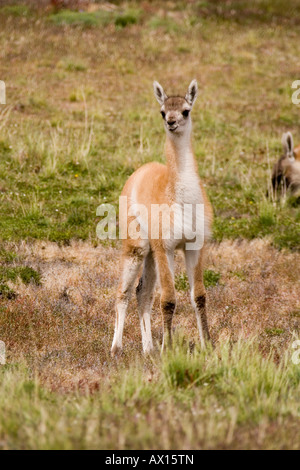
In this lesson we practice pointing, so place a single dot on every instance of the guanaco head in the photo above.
(175, 110)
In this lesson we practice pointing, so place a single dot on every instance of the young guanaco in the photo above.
(170, 187)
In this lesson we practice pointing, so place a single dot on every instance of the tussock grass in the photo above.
(211, 278)
(97, 18)
(11, 272)
(25, 273)
(15, 10)
(180, 401)
(83, 19)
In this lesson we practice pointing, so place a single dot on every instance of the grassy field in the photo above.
(80, 118)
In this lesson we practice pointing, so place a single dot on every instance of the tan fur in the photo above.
(297, 153)
(286, 171)
(155, 183)
(291, 173)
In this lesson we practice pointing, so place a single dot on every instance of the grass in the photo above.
(259, 11)
(83, 19)
(274, 331)
(182, 282)
(6, 292)
(179, 401)
(58, 333)
(80, 143)
(26, 274)
(11, 272)
(15, 10)
(97, 18)
(70, 136)
(211, 279)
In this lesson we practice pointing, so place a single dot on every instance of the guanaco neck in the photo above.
(180, 157)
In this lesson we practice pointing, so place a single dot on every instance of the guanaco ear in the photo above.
(159, 93)
(192, 92)
(288, 144)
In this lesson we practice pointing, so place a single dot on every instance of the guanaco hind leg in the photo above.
(130, 268)
(165, 262)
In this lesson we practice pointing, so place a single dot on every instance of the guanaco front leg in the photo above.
(194, 265)
(165, 262)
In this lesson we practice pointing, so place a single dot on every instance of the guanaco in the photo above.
(173, 185)
(286, 171)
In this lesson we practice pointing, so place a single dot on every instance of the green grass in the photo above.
(97, 18)
(274, 331)
(72, 65)
(67, 140)
(25, 273)
(15, 10)
(168, 25)
(6, 292)
(131, 16)
(181, 282)
(211, 278)
(82, 19)
(11, 270)
(182, 401)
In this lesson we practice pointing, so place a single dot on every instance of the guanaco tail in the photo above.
(170, 188)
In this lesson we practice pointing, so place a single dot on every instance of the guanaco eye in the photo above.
(186, 112)
(163, 114)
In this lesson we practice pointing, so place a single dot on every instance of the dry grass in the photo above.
(65, 326)
(62, 390)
